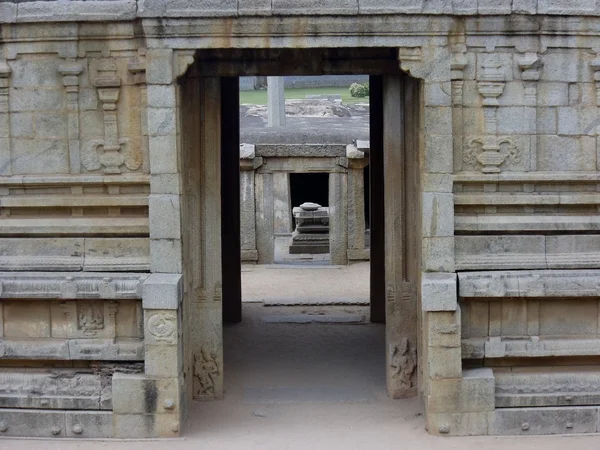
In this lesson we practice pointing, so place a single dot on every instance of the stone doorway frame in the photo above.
(208, 94)
(434, 238)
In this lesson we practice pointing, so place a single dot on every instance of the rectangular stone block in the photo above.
(135, 426)
(337, 7)
(8, 12)
(163, 154)
(36, 156)
(159, 62)
(437, 7)
(165, 219)
(390, 6)
(161, 121)
(137, 394)
(162, 291)
(437, 94)
(524, 6)
(460, 424)
(438, 120)
(474, 392)
(443, 328)
(494, 6)
(444, 362)
(33, 423)
(438, 292)
(254, 7)
(186, 8)
(44, 11)
(500, 252)
(464, 7)
(438, 254)
(163, 361)
(563, 153)
(438, 214)
(553, 94)
(165, 255)
(532, 421)
(88, 424)
(439, 157)
(165, 183)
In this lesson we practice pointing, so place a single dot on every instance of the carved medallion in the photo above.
(163, 327)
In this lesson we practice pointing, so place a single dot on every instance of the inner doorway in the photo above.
(210, 153)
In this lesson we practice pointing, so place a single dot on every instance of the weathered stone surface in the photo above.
(564, 420)
(533, 387)
(498, 173)
(438, 292)
(534, 283)
(162, 291)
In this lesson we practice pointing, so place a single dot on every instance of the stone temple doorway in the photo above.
(209, 158)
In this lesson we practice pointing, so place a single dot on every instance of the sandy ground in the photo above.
(307, 386)
(309, 283)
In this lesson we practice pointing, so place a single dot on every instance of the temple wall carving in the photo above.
(100, 194)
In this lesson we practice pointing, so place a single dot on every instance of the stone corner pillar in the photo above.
(457, 401)
(153, 404)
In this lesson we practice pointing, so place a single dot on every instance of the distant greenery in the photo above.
(359, 90)
(260, 97)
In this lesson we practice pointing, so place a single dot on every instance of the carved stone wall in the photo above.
(96, 185)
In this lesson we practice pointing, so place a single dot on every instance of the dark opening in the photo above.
(367, 197)
(309, 187)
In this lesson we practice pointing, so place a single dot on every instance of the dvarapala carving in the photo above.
(403, 362)
(206, 372)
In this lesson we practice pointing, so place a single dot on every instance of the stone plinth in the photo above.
(312, 229)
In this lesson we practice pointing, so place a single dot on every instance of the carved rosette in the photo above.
(162, 327)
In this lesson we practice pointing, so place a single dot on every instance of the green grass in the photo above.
(260, 97)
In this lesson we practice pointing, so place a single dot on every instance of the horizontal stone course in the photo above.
(118, 10)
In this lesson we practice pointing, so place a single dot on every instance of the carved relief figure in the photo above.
(403, 363)
(90, 316)
(206, 370)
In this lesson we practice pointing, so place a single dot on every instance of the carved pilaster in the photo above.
(70, 72)
(112, 152)
(530, 65)
(4, 120)
(457, 67)
(595, 64)
(490, 150)
(137, 68)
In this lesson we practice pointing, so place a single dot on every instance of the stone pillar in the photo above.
(356, 204)
(282, 220)
(401, 317)
(248, 164)
(338, 215)
(265, 240)
(276, 101)
(206, 314)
